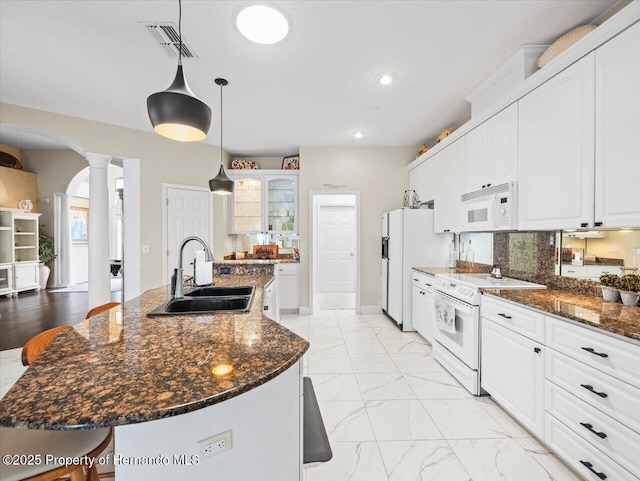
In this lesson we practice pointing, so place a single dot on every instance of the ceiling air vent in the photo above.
(166, 34)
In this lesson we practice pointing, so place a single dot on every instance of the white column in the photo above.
(99, 273)
(63, 237)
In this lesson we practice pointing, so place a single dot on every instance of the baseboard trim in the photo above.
(370, 310)
(305, 311)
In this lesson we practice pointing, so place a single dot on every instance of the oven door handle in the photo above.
(457, 305)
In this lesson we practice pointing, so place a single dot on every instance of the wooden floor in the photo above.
(32, 312)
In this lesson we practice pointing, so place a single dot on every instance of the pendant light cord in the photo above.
(221, 117)
(180, 31)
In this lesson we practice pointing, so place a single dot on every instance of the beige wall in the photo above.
(161, 160)
(379, 174)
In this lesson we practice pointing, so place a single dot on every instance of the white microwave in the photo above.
(490, 209)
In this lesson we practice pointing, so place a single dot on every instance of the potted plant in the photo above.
(45, 252)
(629, 286)
(608, 284)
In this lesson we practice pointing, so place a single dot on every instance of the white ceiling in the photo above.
(95, 60)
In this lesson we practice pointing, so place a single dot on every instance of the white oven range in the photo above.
(457, 340)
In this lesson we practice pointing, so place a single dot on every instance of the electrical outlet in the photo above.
(207, 448)
(614, 249)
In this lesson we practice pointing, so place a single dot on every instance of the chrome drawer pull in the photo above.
(590, 388)
(592, 351)
(589, 466)
(504, 315)
(589, 427)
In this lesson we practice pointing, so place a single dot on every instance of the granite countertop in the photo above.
(432, 271)
(122, 367)
(257, 261)
(592, 311)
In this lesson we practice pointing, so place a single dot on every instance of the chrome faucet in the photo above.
(208, 257)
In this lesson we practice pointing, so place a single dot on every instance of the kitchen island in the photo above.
(167, 383)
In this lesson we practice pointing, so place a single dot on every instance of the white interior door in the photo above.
(336, 248)
(188, 212)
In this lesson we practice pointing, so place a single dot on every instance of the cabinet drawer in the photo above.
(287, 268)
(580, 455)
(523, 321)
(421, 280)
(609, 436)
(610, 355)
(619, 400)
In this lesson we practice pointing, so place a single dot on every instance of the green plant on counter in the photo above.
(629, 282)
(609, 280)
(45, 246)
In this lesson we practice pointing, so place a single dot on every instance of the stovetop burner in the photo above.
(467, 286)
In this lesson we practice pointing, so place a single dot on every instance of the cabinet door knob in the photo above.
(589, 466)
(589, 388)
(592, 351)
(589, 427)
(584, 224)
(598, 224)
(537, 350)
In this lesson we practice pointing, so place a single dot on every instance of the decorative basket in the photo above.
(563, 43)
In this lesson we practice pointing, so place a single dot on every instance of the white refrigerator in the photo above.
(408, 241)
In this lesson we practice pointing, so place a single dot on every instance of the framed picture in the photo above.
(79, 224)
(291, 163)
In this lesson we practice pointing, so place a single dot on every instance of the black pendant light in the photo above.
(177, 113)
(221, 184)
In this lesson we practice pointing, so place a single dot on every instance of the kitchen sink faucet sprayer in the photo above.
(179, 280)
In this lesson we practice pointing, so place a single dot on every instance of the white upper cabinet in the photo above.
(421, 180)
(263, 202)
(449, 170)
(492, 151)
(617, 194)
(556, 151)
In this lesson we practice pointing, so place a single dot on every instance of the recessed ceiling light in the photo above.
(386, 78)
(358, 134)
(264, 24)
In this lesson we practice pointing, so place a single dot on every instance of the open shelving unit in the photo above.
(19, 256)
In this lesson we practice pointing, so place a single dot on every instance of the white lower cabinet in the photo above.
(288, 285)
(605, 433)
(26, 276)
(513, 373)
(590, 462)
(576, 388)
(423, 309)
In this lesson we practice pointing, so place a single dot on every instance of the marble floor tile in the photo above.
(407, 345)
(379, 321)
(353, 325)
(416, 362)
(329, 363)
(463, 419)
(372, 363)
(512, 427)
(346, 421)
(556, 469)
(336, 387)
(326, 346)
(323, 332)
(352, 461)
(11, 368)
(357, 333)
(497, 460)
(421, 461)
(391, 332)
(436, 385)
(364, 346)
(401, 421)
(383, 386)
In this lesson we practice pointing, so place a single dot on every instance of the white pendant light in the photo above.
(176, 113)
(221, 184)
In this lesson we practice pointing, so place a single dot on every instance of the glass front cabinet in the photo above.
(264, 202)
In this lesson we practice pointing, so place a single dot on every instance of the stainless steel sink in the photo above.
(215, 291)
(208, 300)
